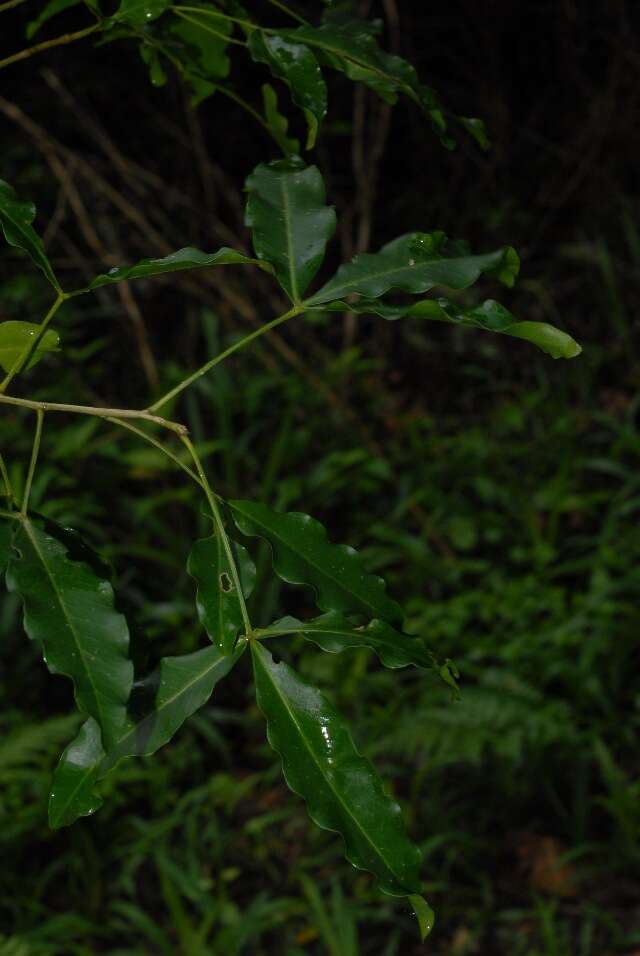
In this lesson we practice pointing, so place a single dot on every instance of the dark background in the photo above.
(496, 490)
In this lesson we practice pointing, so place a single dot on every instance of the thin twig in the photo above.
(32, 463)
(95, 411)
(49, 44)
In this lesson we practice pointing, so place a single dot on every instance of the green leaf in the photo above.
(16, 218)
(152, 58)
(277, 123)
(204, 50)
(180, 687)
(216, 599)
(139, 13)
(425, 914)
(187, 258)
(489, 316)
(72, 793)
(70, 612)
(15, 338)
(350, 45)
(417, 262)
(342, 790)
(50, 10)
(303, 555)
(6, 535)
(291, 224)
(334, 633)
(297, 66)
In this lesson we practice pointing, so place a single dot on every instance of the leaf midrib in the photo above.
(314, 565)
(337, 290)
(364, 833)
(95, 768)
(293, 278)
(29, 531)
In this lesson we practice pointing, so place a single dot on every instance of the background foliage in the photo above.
(495, 489)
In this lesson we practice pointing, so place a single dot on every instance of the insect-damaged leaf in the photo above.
(217, 599)
(69, 610)
(180, 687)
(342, 790)
(303, 555)
(290, 222)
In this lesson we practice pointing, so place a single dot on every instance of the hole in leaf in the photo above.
(226, 583)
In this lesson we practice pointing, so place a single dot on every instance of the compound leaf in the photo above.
(187, 258)
(16, 218)
(303, 555)
(15, 339)
(334, 633)
(180, 687)
(490, 316)
(69, 610)
(217, 599)
(297, 66)
(416, 262)
(289, 220)
(341, 788)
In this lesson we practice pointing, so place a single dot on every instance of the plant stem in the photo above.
(246, 106)
(215, 33)
(289, 11)
(49, 44)
(6, 480)
(219, 523)
(32, 463)
(157, 444)
(24, 358)
(218, 15)
(296, 310)
(9, 4)
(96, 411)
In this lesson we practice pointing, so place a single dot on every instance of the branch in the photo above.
(96, 412)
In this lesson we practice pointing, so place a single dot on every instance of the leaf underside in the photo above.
(187, 258)
(15, 338)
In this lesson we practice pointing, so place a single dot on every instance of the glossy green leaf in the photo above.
(334, 633)
(15, 338)
(417, 262)
(342, 790)
(350, 45)
(180, 687)
(425, 915)
(203, 55)
(217, 599)
(489, 316)
(72, 793)
(70, 612)
(138, 13)
(297, 66)
(16, 217)
(187, 258)
(50, 10)
(290, 222)
(277, 123)
(303, 555)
